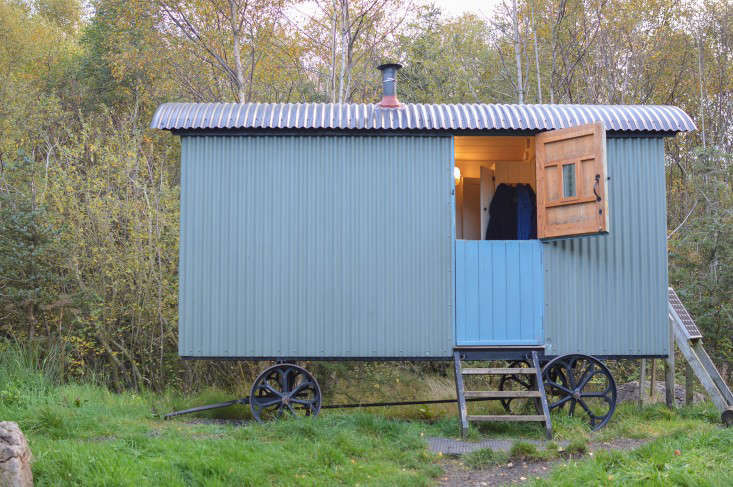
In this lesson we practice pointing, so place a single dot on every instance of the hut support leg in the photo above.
(653, 381)
(642, 381)
(543, 395)
(462, 411)
(669, 369)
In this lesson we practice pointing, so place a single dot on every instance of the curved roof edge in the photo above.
(417, 117)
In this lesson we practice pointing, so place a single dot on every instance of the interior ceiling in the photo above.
(486, 148)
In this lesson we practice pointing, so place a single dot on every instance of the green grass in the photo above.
(485, 458)
(694, 458)
(82, 434)
(85, 435)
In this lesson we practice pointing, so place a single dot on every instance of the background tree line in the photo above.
(89, 195)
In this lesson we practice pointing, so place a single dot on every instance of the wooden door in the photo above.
(571, 182)
(471, 209)
(499, 292)
(487, 193)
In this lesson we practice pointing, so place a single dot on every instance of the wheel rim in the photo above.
(284, 390)
(583, 384)
(515, 382)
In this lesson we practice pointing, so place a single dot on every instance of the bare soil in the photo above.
(456, 473)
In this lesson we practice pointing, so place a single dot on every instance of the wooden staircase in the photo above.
(689, 341)
(535, 370)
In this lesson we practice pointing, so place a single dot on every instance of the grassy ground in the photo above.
(85, 435)
(701, 457)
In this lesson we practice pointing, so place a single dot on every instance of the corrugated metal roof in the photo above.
(417, 117)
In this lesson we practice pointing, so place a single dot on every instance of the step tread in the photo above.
(499, 371)
(501, 394)
(507, 417)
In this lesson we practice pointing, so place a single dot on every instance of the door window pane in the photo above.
(568, 180)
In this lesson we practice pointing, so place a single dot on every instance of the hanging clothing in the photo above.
(503, 214)
(526, 212)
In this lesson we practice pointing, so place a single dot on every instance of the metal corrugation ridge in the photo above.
(607, 295)
(452, 117)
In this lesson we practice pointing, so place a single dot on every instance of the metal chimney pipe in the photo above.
(389, 85)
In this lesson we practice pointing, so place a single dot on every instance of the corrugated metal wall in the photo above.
(499, 296)
(607, 295)
(316, 246)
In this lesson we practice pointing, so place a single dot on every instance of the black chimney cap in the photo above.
(382, 67)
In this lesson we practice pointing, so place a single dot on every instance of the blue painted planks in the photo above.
(499, 292)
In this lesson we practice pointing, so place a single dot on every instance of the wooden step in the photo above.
(501, 394)
(500, 371)
(508, 417)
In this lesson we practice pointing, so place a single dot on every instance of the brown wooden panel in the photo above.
(494, 148)
(571, 182)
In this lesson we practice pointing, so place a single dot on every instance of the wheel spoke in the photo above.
(284, 386)
(588, 410)
(300, 387)
(558, 386)
(291, 410)
(267, 402)
(600, 395)
(587, 375)
(304, 402)
(560, 402)
(269, 389)
(571, 376)
(572, 407)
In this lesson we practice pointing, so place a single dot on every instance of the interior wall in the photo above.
(516, 172)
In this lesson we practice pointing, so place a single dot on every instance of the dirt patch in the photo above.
(229, 422)
(513, 472)
(629, 392)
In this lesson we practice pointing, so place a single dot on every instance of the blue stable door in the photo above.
(499, 292)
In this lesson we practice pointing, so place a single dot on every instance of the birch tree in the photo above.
(217, 31)
(358, 30)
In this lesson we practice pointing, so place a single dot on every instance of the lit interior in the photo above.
(486, 162)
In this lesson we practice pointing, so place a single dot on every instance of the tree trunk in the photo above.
(517, 54)
(702, 95)
(555, 39)
(234, 19)
(334, 25)
(536, 59)
(344, 47)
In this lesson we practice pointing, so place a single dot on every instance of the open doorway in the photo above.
(499, 270)
(496, 188)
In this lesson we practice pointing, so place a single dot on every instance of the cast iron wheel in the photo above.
(284, 388)
(581, 380)
(519, 382)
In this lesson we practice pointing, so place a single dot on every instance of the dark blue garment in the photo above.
(503, 214)
(526, 213)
